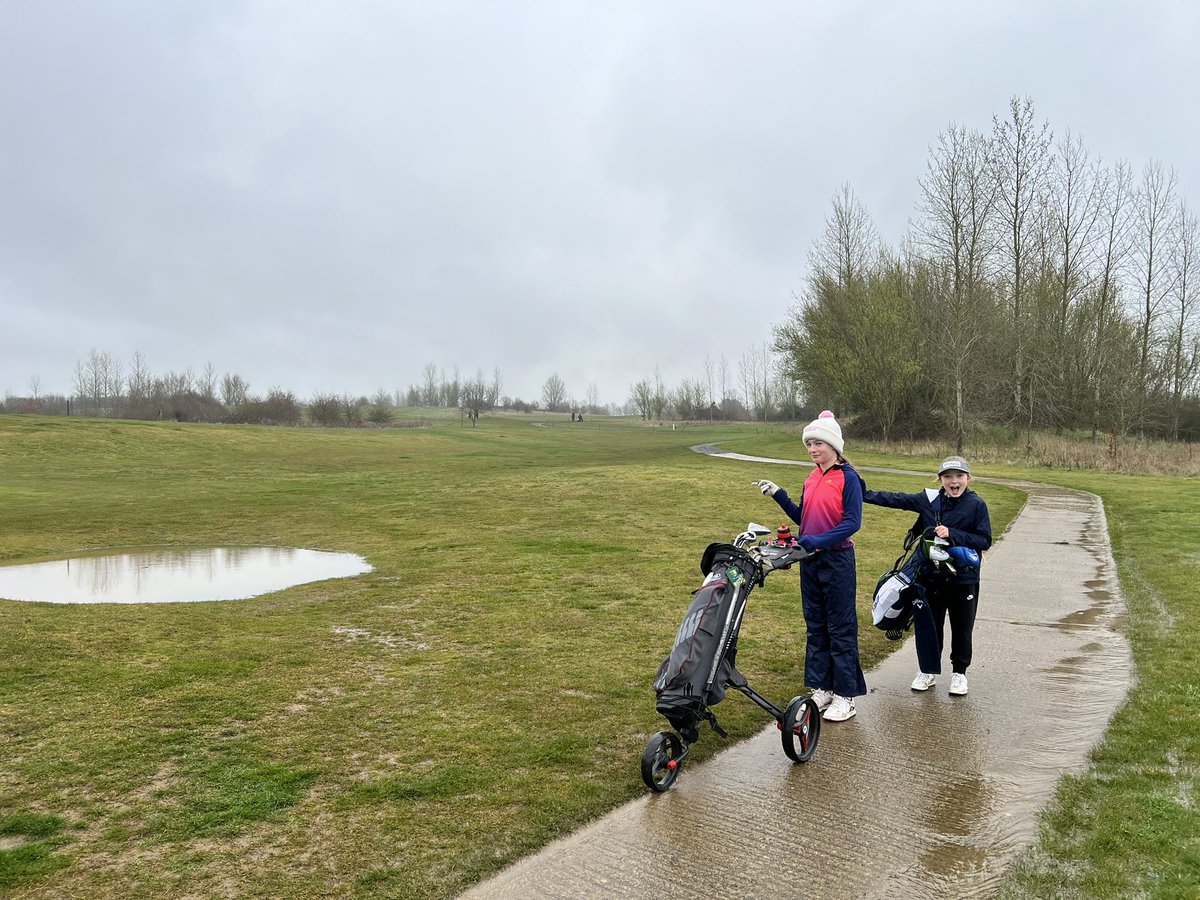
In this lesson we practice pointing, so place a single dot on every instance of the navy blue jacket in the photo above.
(966, 517)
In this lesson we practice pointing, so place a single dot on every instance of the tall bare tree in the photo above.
(554, 393)
(430, 389)
(1182, 337)
(955, 232)
(1075, 206)
(1022, 161)
(849, 244)
(1116, 188)
(1156, 234)
(642, 394)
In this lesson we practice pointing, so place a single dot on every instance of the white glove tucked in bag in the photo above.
(767, 487)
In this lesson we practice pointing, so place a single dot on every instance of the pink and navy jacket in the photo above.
(830, 508)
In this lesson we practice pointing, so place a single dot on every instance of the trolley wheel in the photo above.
(660, 761)
(801, 729)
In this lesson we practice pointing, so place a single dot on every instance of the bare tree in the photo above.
(593, 398)
(659, 397)
(723, 381)
(709, 384)
(234, 389)
(1182, 340)
(1157, 233)
(955, 232)
(1075, 204)
(1116, 187)
(495, 388)
(35, 387)
(206, 384)
(139, 382)
(641, 393)
(849, 244)
(430, 393)
(451, 388)
(554, 393)
(474, 396)
(1022, 160)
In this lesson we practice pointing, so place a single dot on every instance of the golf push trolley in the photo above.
(701, 665)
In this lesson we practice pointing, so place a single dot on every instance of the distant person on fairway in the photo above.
(958, 515)
(829, 512)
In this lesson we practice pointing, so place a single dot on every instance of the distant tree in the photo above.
(642, 395)
(281, 408)
(325, 409)
(430, 388)
(494, 388)
(352, 409)
(689, 399)
(379, 414)
(206, 384)
(554, 394)
(234, 389)
(451, 387)
(659, 397)
(138, 384)
(474, 396)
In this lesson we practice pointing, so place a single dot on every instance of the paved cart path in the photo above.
(920, 795)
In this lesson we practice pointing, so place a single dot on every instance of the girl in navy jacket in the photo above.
(959, 516)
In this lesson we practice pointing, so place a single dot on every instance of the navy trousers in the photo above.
(827, 587)
(958, 601)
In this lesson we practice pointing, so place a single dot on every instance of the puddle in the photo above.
(160, 575)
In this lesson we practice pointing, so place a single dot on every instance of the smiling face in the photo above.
(955, 482)
(821, 453)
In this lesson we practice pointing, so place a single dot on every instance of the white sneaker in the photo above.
(841, 709)
(958, 684)
(924, 681)
(822, 698)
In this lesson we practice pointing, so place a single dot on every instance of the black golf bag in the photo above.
(701, 665)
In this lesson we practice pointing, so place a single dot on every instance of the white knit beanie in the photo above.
(825, 428)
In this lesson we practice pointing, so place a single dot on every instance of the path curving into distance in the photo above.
(920, 795)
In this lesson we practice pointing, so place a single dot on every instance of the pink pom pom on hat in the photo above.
(825, 428)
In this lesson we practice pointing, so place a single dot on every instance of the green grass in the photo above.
(404, 733)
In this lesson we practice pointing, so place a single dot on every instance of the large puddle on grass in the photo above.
(161, 575)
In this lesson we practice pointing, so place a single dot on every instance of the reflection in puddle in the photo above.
(175, 575)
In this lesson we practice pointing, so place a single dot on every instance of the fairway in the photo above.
(401, 733)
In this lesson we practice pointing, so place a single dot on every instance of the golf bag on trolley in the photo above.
(693, 678)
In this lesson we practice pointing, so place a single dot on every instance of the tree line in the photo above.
(1037, 288)
(105, 387)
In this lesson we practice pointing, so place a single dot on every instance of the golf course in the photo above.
(485, 688)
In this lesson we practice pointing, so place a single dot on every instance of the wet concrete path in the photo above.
(920, 795)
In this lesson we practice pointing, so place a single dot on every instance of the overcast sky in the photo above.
(325, 197)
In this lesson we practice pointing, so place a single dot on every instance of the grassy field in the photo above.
(483, 690)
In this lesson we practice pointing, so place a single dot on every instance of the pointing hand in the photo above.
(767, 487)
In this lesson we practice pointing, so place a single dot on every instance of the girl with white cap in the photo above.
(829, 512)
(958, 516)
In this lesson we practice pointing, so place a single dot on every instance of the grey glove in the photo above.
(767, 487)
